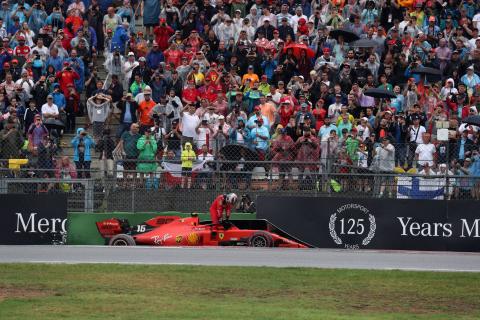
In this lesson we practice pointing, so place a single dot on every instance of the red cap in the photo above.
(6, 64)
(264, 77)
(391, 42)
(257, 108)
(354, 130)
(260, 119)
(109, 30)
(162, 20)
(213, 64)
(66, 64)
(326, 50)
(14, 61)
(20, 38)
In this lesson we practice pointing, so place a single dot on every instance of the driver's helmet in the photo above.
(231, 198)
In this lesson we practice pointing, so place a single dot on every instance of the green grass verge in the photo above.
(37, 291)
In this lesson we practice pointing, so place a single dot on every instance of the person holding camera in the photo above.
(205, 134)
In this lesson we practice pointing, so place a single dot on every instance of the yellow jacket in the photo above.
(188, 156)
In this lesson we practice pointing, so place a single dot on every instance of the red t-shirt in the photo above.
(22, 51)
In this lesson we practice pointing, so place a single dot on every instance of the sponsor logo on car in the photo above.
(178, 239)
(193, 239)
(160, 240)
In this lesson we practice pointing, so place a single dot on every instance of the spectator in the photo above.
(105, 147)
(147, 147)
(144, 111)
(99, 108)
(188, 156)
(65, 170)
(128, 147)
(189, 122)
(11, 141)
(425, 152)
(259, 137)
(49, 109)
(385, 162)
(128, 108)
(82, 145)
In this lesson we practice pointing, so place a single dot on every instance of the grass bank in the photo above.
(38, 291)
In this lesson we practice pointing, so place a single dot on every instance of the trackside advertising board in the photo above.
(33, 219)
(376, 223)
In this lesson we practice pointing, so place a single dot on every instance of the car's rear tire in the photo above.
(260, 240)
(122, 240)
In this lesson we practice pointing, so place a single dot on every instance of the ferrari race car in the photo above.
(177, 231)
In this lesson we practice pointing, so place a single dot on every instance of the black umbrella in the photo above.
(347, 35)
(380, 93)
(364, 43)
(235, 152)
(427, 71)
(54, 124)
(472, 120)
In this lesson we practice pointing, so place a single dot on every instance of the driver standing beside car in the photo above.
(223, 203)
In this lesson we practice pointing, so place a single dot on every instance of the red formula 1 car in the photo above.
(177, 231)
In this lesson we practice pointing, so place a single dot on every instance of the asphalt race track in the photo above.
(316, 258)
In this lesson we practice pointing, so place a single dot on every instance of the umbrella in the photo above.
(364, 43)
(380, 93)
(234, 152)
(52, 124)
(299, 47)
(348, 36)
(472, 120)
(427, 71)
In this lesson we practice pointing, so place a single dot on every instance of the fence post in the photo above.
(3, 186)
(89, 194)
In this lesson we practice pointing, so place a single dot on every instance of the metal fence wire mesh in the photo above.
(177, 177)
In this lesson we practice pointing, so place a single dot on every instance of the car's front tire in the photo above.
(260, 240)
(122, 240)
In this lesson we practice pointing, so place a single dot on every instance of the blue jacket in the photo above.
(154, 58)
(56, 62)
(87, 142)
(120, 37)
(59, 100)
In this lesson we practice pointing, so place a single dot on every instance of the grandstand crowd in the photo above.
(283, 81)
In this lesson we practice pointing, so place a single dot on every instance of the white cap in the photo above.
(221, 118)
(471, 67)
(147, 89)
(131, 54)
(364, 119)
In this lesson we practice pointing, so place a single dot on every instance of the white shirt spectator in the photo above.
(425, 153)
(334, 111)
(43, 52)
(49, 109)
(416, 134)
(386, 157)
(476, 20)
(27, 85)
(202, 134)
(189, 123)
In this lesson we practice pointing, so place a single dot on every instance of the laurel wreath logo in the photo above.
(371, 233)
(338, 240)
(331, 226)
